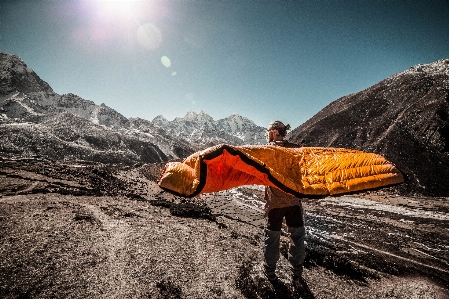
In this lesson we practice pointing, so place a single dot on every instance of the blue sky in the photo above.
(262, 59)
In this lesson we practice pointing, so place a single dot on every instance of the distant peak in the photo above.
(21, 77)
(160, 121)
(4, 56)
(159, 117)
(192, 116)
(12, 61)
(438, 67)
(191, 112)
(238, 118)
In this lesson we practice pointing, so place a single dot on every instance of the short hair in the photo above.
(278, 125)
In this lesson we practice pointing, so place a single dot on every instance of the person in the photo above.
(280, 205)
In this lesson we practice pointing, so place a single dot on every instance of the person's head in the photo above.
(276, 131)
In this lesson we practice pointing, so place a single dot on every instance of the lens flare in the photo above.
(149, 36)
(166, 61)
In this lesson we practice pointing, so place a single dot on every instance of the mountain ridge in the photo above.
(404, 117)
(25, 98)
(200, 128)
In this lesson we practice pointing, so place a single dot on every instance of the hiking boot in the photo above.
(301, 287)
(270, 274)
(298, 281)
(272, 277)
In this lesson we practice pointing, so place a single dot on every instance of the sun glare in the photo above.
(117, 8)
(119, 21)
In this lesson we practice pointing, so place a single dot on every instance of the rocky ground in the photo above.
(108, 231)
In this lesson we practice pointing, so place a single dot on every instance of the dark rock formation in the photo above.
(404, 118)
(19, 76)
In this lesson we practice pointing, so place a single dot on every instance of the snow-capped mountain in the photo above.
(202, 130)
(36, 121)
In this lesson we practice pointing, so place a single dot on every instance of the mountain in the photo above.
(36, 121)
(16, 75)
(404, 117)
(67, 137)
(202, 130)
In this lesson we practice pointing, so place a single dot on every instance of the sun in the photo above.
(113, 22)
(117, 8)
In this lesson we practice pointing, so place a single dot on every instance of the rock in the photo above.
(404, 118)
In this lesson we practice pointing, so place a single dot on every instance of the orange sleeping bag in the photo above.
(298, 171)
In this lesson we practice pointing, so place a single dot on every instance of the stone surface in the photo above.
(108, 231)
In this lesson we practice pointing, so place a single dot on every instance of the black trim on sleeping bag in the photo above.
(244, 158)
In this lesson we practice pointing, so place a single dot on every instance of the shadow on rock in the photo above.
(192, 210)
(254, 285)
(186, 209)
(325, 255)
(168, 289)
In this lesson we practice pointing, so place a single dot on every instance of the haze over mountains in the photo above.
(404, 117)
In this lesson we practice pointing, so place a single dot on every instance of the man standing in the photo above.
(280, 205)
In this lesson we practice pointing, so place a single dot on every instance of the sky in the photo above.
(265, 60)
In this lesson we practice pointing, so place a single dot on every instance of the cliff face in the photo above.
(16, 76)
(404, 117)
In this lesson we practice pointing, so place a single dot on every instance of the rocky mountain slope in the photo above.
(35, 121)
(404, 117)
